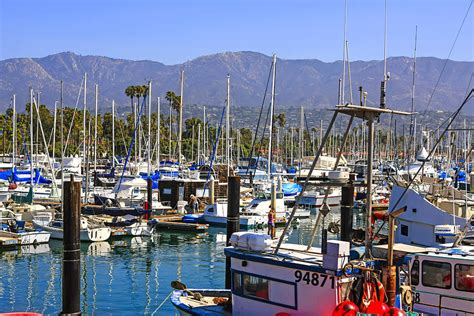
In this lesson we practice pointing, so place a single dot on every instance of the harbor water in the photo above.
(129, 276)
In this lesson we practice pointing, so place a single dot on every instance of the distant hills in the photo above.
(307, 82)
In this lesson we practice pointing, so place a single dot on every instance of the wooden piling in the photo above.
(347, 212)
(71, 283)
(233, 218)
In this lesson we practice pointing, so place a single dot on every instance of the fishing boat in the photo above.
(313, 200)
(426, 210)
(13, 228)
(87, 231)
(442, 280)
(216, 214)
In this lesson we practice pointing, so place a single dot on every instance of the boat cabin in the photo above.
(297, 282)
(443, 282)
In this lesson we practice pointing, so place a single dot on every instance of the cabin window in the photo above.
(237, 282)
(279, 195)
(272, 291)
(256, 287)
(464, 277)
(404, 230)
(415, 273)
(436, 274)
(210, 210)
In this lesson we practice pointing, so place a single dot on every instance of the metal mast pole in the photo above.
(149, 129)
(158, 123)
(227, 126)
(344, 55)
(113, 134)
(84, 115)
(54, 127)
(272, 105)
(62, 143)
(14, 130)
(31, 137)
(95, 127)
(180, 127)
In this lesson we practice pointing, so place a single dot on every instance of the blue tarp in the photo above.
(12, 175)
(290, 189)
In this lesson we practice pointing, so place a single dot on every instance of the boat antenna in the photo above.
(344, 54)
(383, 84)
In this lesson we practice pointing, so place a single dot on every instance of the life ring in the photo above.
(372, 291)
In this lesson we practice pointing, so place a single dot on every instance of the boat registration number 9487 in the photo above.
(314, 278)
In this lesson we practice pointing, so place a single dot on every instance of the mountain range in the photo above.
(308, 82)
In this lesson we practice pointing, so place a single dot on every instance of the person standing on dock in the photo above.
(271, 222)
(193, 203)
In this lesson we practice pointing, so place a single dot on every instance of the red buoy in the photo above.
(394, 312)
(346, 308)
(376, 307)
(12, 186)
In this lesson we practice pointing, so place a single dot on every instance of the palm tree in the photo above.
(130, 92)
(174, 100)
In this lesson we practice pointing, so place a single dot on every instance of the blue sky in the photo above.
(174, 31)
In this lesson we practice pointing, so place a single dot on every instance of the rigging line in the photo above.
(214, 151)
(450, 117)
(131, 143)
(260, 116)
(73, 115)
(261, 142)
(447, 59)
(307, 131)
(121, 130)
(466, 100)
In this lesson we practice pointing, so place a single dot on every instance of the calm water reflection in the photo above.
(129, 276)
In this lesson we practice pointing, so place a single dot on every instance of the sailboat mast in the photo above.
(412, 118)
(300, 140)
(62, 141)
(204, 134)
(31, 137)
(272, 105)
(113, 133)
(84, 115)
(158, 123)
(54, 128)
(95, 126)
(227, 125)
(14, 130)
(149, 129)
(180, 127)
(199, 144)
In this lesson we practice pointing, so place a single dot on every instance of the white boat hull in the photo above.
(28, 238)
(89, 234)
(245, 221)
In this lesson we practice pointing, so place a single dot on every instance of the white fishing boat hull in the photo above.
(28, 238)
(89, 234)
(216, 215)
(245, 221)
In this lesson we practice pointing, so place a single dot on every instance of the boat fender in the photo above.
(394, 312)
(346, 308)
(378, 308)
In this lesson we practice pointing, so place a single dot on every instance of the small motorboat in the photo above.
(10, 227)
(89, 232)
